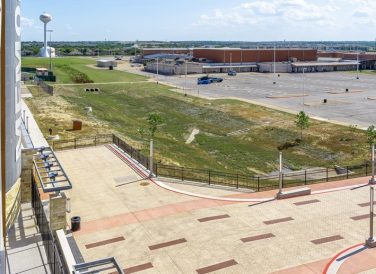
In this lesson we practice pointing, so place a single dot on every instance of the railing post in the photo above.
(237, 180)
(156, 170)
(283, 180)
(182, 173)
(75, 143)
(327, 174)
(347, 172)
(305, 177)
(209, 176)
(366, 169)
(258, 183)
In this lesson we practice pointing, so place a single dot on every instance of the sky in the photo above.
(204, 20)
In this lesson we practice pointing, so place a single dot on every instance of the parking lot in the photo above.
(355, 107)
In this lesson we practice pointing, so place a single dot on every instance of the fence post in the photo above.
(366, 169)
(283, 183)
(156, 170)
(327, 174)
(258, 183)
(95, 140)
(182, 173)
(347, 172)
(305, 177)
(209, 176)
(75, 143)
(237, 180)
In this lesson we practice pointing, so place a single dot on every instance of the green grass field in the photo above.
(65, 69)
(123, 108)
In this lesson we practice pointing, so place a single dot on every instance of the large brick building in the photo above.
(227, 55)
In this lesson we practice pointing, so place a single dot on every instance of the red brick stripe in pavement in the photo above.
(361, 217)
(366, 204)
(212, 218)
(138, 268)
(105, 242)
(216, 267)
(257, 237)
(327, 239)
(307, 202)
(167, 244)
(277, 221)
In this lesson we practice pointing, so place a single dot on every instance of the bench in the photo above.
(294, 193)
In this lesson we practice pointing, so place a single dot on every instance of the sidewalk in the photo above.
(35, 134)
(25, 250)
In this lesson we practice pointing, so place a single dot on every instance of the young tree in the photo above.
(302, 122)
(154, 120)
(371, 134)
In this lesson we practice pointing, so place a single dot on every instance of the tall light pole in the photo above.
(50, 31)
(274, 66)
(157, 68)
(372, 180)
(280, 174)
(357, 64)
(185, 78)
(303, 86)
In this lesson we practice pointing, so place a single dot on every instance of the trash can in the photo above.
(75, 223)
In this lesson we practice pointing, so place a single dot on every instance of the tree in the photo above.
(371, 134)
(154, 120)
(302, 122)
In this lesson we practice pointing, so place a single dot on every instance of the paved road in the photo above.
(355, 107)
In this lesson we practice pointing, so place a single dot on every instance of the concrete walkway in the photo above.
(25, 250)
(35, 134)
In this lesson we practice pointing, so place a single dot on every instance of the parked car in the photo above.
(231, 73)
(205, 80)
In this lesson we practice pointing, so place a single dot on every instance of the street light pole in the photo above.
(357, 64)
(370, 242)
(157, 68)
(50, 31)
(274, 66)
(372, 180)
(185, 77)
(303, 86)
(280, 174)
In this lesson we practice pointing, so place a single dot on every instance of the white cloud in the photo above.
(29, 23)
(331, 13)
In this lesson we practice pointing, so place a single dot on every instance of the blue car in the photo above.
(203, 81)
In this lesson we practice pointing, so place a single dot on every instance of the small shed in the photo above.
(106, 63)
(41, 72)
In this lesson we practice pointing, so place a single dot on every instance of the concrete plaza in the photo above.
(155, 230)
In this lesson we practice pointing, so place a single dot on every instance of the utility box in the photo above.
(77, 124)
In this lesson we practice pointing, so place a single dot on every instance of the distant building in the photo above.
(367, 60)
(106, 63)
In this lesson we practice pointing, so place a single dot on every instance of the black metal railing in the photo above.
(239, 180)
(82, 142)
(133, 152)
(54, 256)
